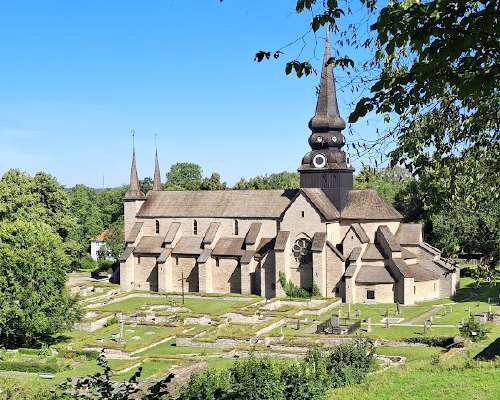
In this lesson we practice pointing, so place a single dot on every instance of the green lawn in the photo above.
(169, 349)
(202, 305)
(378, 311)
(149, 368)
(425, 381)
(404, 332)
(461, 311)
(92, 339)
(412, 353)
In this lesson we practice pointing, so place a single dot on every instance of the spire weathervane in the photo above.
(134, 190)
(157, 175)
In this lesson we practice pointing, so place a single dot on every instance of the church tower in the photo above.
(327, 166)
(157, 175)
(133, 198)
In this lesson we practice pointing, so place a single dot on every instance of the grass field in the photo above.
(135, 337)
(169, 349)
(203, 305)
(404, 332)
(421, 380)
(412, 353)
(150, 368)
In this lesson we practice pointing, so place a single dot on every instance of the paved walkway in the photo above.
(425, 316)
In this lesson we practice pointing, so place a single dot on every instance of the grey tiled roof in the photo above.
(204, 256)
(281, 239)
(409, 234)
(322, 203)
(384, 235)
(228, 246)
(217, 203)
(402, 267)
(265, 246)
(354, 254)
(318, 242)
(164, 255)
(188, 245)
(211, 232)
(372, 253)
(367, 204)
(134, 232)
(335, 250)
(422, 274)
(349, 272)
(149, 245)
(374, 274)
(126, 253)
(363, 237)
(253, 233)
(172, 232)
(247, 256)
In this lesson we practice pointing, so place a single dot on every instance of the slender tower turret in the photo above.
(327, 166)
(134, 197)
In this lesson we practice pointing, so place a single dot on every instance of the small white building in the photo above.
(97, 242)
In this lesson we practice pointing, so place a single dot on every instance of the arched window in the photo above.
(236, 230)
(195, 227)
(157, 229)
(301, 250)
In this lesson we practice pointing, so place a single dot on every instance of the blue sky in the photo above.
(76, 77)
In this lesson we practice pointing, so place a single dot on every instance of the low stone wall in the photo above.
(203, 320)
(275, 305)
(270, 327)
(92, 326)
(224, 343)
(244, 319)
(321, 311)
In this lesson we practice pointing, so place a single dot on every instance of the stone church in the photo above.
(349, 243)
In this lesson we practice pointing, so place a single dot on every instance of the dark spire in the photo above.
(134, 190)
(157, 176)
(327, 116)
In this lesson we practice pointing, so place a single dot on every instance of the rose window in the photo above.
(302, 250)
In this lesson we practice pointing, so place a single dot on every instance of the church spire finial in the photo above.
(157, 175)
(327, 116)
(134, 190)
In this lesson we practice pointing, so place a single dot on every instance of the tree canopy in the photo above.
(34, 300)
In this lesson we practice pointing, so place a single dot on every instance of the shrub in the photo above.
(473, 329)
(51, 365)
(257, 379)
(87, 263)
(211, 384)
(349, 363)
(112, 321)
(434, 341)
(291, 290)
(307, 379)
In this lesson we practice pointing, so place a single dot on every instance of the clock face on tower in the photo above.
(319, 161)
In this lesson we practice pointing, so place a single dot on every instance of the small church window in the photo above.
(370, 294)
(138, 260)
(303, 214)
(236, 230)
(176, 260)
(216, 261)
(195, 227)
(157, 229)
